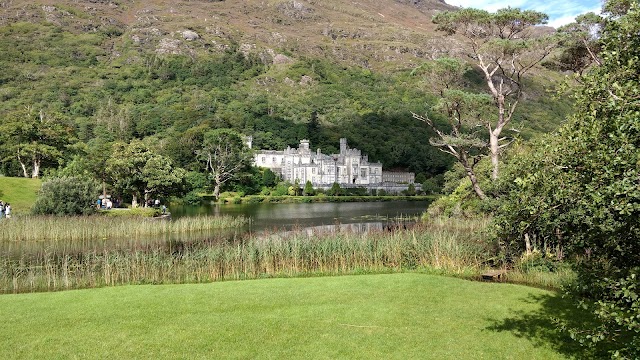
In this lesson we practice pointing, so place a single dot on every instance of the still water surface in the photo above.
(265, 219)
(312, 215)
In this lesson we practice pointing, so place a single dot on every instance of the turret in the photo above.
(343, 146)
(304, 145)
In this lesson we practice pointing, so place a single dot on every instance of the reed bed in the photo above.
(542, 279)
(272, 256)
(52, 229)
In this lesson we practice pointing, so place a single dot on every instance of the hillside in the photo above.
(368, 33)
(21, 193)
(167, 70)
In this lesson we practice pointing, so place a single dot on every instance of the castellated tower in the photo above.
(304, 145)
(343, 146)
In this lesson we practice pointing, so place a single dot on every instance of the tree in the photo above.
(269, 178)
(225, 154)
(136, 170)
(336, 190)
(313, 129)
(464, 113)
(308, 189)
(504, 46)
(34, 139)
(411, 190)
(579, 190)
(67, 196)
(161, 177)
(90, 161)
(113, 122)
(579, 43)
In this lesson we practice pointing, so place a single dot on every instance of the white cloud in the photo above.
(560, 13)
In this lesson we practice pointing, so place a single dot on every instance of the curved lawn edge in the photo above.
(398, 316)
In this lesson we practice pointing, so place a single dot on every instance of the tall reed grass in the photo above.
(451, 247)
(51, 228)
(271, 256)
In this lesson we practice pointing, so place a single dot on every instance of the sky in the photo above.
(560, 12)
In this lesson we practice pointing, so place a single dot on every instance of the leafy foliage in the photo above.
(579, 190)
(503, 46)
(137, 171)
(105, 86)
(225, 155)
(67, 196)
(34, 140)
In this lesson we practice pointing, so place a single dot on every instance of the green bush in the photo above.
(192, 198)
(67, 196)
(578, 191)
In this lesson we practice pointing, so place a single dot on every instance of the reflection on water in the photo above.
(267, 220)
(283, 217)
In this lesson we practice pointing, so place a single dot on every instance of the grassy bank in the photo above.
(399, 316)
(21, 193)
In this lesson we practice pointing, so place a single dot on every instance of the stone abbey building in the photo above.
(349, 168)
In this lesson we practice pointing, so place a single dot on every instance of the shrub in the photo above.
(192, 198)
(578, 190)
(67, 196)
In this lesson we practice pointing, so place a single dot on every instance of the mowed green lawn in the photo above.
(21, 193)
(395, 316)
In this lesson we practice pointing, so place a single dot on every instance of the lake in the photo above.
(265, 219)
(283, 217)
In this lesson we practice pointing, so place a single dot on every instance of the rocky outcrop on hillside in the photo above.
(368, 33)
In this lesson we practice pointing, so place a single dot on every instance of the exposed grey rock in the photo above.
(168, 46)
(296, 10)
(190, 35)
(306, 80)
(281, 59)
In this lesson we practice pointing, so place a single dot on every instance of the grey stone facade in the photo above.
(348, 168)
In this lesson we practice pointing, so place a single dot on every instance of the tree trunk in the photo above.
(134, 202)
(24, 169)
(474, 183)
(36, 168)
(216, 190)
(494, 148)
(527, 243)
(472, 176)
(22, 164)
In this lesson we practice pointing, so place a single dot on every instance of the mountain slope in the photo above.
(167, 71)
(369, 33)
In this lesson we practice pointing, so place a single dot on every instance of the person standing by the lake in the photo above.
(1, 209)
(7, 211)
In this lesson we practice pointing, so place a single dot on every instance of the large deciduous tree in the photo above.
(505, 46)
(34, 139)
(136, 170)
(225, 155)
